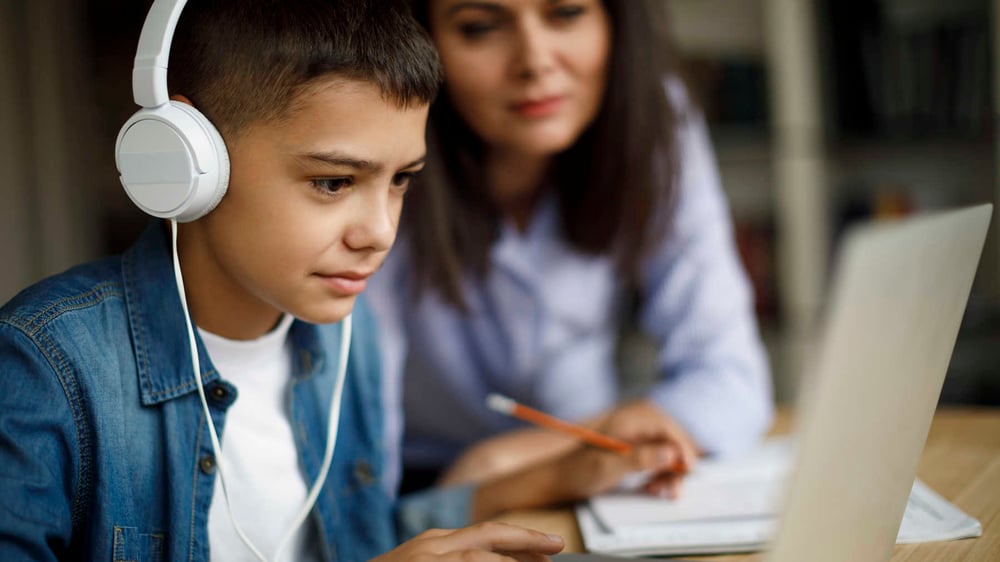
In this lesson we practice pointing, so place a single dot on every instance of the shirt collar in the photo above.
(519, 252)
(156, 320)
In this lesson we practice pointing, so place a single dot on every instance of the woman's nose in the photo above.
(535, 51)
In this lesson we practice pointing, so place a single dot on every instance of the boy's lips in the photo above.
(346, 282)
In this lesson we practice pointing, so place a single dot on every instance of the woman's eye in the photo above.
(331, 185)
(567, 13)
(402, 179)
(476, 29)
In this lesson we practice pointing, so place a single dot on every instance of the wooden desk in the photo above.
(961, 461)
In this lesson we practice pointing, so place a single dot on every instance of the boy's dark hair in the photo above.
(615, 185)
(244, 61)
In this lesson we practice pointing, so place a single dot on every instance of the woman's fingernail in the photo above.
(666, 456)
(555, 538)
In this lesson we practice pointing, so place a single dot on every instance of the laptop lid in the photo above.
(898, 297)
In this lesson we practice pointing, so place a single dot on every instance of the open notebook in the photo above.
(733, 506)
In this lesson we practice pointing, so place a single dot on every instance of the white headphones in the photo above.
(172, 160)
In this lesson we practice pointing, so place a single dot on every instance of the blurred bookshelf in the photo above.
(824, 113)
(911, 129)
(904, 69)
(911, 120)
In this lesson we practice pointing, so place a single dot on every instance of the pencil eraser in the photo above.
(499, 403)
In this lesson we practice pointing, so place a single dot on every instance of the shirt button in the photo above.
(207, 464)
(364, 473)
(218, 393)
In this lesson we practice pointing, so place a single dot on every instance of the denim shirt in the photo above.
(104, 449)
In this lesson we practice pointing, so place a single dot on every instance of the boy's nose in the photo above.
(373, 226)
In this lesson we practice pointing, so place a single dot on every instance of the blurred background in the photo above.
(823, 113)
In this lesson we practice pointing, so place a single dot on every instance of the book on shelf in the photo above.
(901, 71)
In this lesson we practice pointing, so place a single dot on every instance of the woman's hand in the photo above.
(646, 425)
(486, 542)
(506, 453)
(660, 448)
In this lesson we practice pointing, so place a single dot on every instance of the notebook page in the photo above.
(747, 486)
(732, 506)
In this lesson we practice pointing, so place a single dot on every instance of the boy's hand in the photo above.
(486, 542)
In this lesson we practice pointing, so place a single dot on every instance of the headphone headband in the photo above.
(172, 160)
(149, 73)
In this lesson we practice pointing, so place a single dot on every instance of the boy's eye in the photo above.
(331, 185)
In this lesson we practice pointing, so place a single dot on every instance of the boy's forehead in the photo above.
(349, 118)
(330, 95)
(320, 88)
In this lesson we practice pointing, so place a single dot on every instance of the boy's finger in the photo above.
(503, 537)
(434, 533)
(477, 555)
(527, 556)
(480, 555)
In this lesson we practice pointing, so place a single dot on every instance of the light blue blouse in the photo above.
(542, 329)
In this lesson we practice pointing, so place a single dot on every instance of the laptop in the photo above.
(897, 300)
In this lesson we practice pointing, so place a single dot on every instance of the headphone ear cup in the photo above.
(173, 162)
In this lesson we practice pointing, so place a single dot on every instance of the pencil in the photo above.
(504, 405)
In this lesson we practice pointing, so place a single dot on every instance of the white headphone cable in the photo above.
(332, 426)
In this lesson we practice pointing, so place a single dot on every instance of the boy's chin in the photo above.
(328, 312)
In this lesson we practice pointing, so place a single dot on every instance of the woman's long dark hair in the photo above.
(614, 185)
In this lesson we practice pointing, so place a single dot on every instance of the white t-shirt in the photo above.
(266, 486)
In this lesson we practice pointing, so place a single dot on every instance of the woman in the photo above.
(567, 177)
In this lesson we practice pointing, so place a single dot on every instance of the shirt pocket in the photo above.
(130, 545)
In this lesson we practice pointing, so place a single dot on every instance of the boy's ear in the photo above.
(182, 99)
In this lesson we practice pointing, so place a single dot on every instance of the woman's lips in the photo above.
(542, 107)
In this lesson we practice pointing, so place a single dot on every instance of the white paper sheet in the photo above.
(732, 506)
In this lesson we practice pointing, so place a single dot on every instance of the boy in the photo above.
(105, 452)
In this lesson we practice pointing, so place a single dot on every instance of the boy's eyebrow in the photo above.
(337, 159)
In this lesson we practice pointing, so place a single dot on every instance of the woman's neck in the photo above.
(516, 183)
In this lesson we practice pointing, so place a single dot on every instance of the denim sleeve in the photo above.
(38, 449)
(434, 508)
(697, 302)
